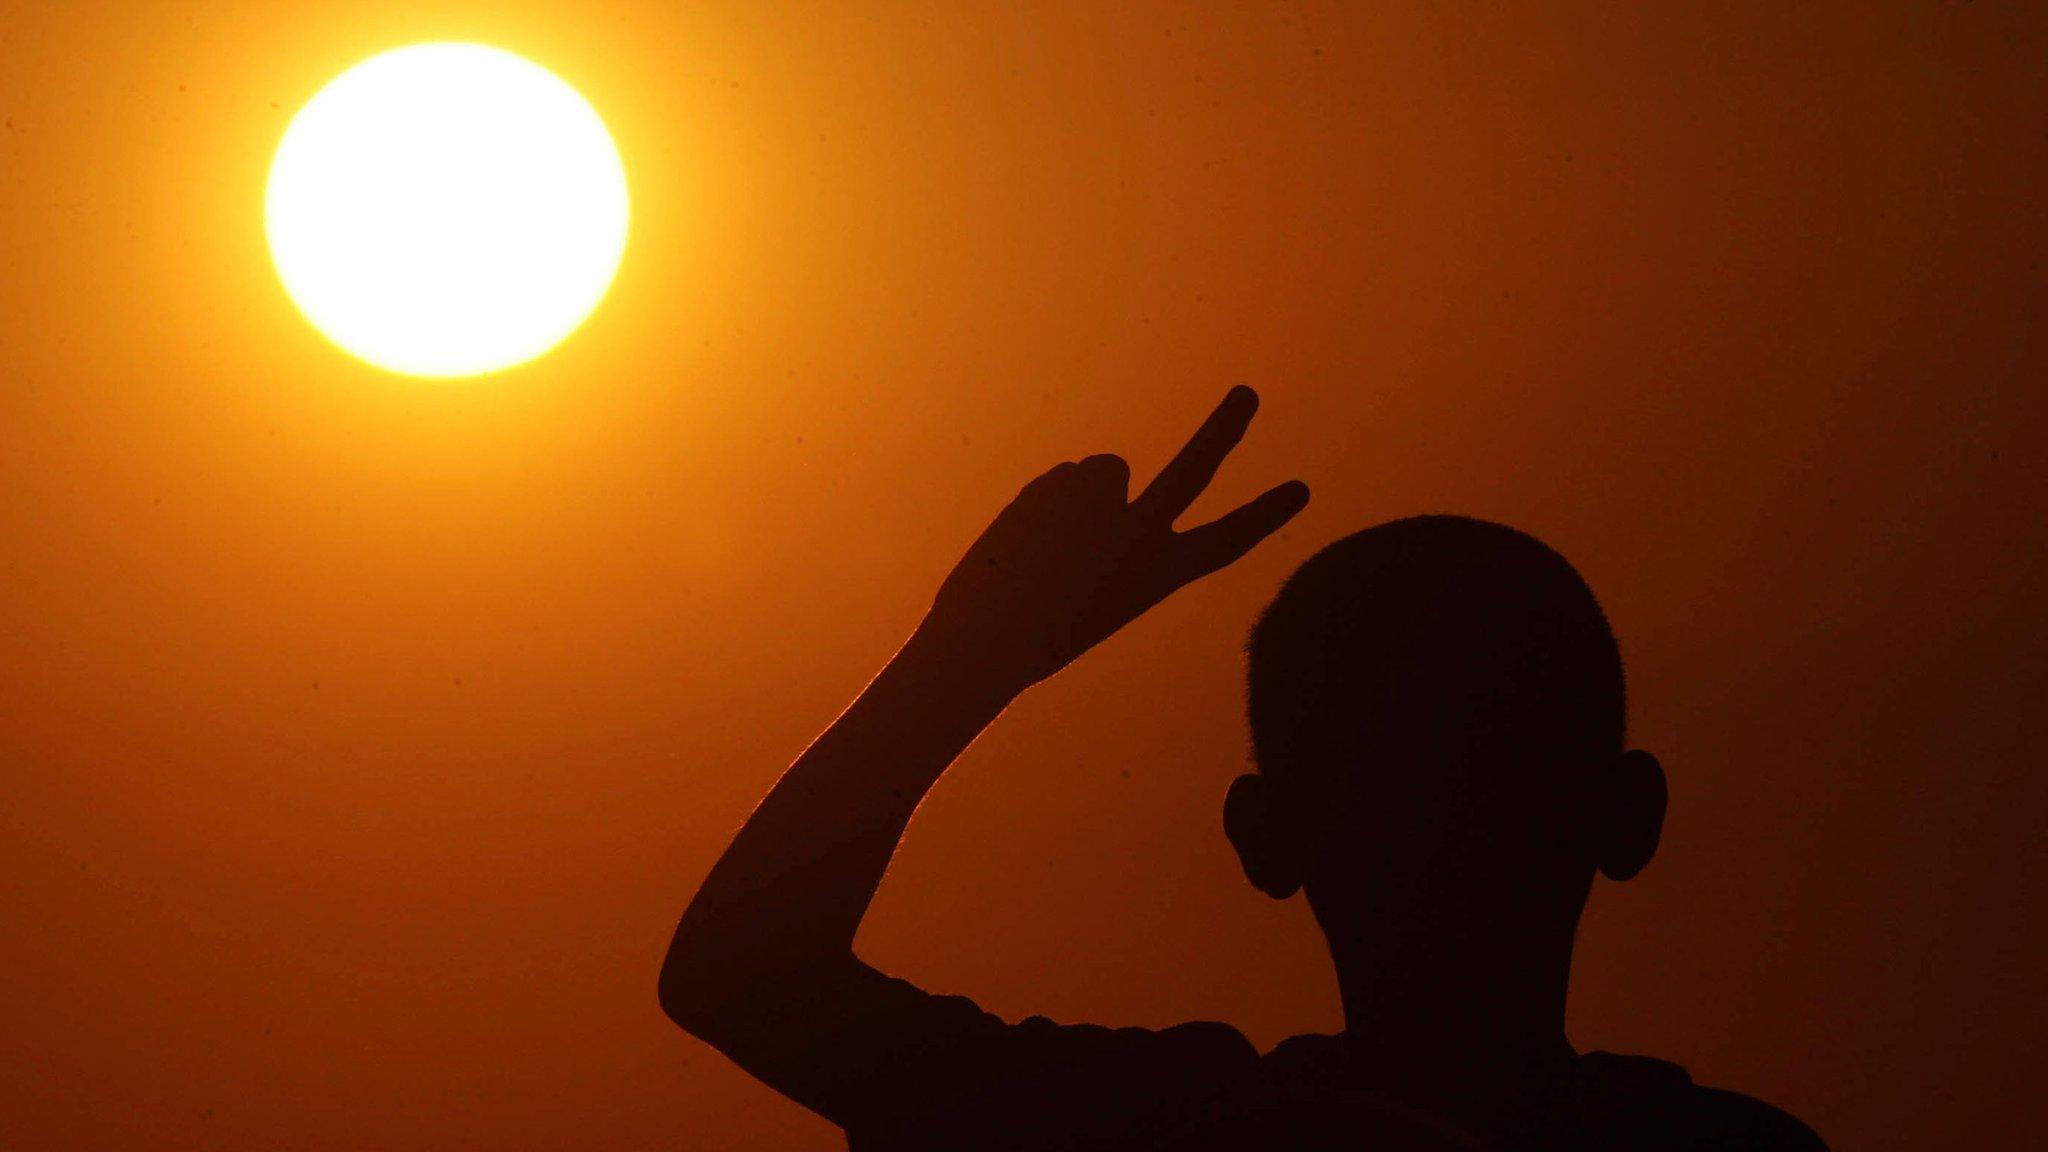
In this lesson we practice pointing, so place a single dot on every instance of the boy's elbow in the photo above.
(674, 999)
(718, 996)
(712, 992)
(690, 993)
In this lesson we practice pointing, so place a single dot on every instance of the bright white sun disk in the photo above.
(446, 210)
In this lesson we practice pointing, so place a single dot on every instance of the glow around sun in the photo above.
(446, 210)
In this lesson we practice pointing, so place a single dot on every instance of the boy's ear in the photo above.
(1267, 852)
(1629, 814)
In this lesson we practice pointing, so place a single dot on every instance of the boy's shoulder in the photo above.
(1658, 1099)
(1728, 1119)
(1606, 1099)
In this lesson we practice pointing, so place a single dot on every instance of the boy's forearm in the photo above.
(1069, 561)
(789, 893)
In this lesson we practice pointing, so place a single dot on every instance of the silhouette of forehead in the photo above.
(1437, 635)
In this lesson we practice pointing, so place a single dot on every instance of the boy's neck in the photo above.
(1487, 1009)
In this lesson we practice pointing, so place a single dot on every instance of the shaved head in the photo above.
(1440, 639)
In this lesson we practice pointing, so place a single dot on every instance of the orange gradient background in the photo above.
(362, 737)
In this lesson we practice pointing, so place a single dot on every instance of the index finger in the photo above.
(1184, 477)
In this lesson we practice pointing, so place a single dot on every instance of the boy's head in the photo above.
(1437, 715)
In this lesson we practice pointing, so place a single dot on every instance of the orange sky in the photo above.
(362, 737)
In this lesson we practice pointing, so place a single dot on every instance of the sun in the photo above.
(446, 209)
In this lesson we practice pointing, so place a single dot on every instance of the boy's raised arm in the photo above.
(768, 941)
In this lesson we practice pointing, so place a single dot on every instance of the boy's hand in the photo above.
(1072, 558)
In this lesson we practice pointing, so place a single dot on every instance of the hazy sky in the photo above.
(360, 738)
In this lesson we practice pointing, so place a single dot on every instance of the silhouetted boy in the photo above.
(1436, 712)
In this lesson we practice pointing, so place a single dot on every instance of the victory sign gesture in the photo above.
(1074, 558)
